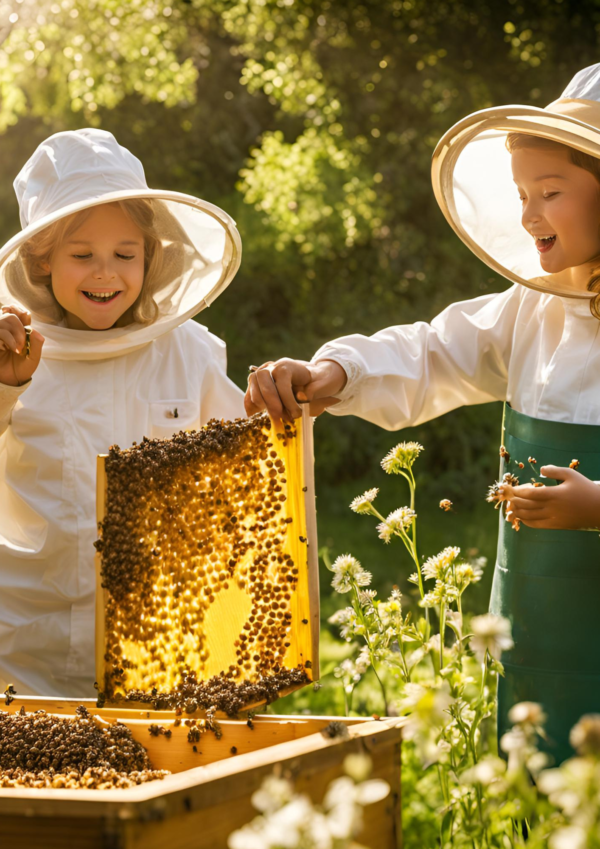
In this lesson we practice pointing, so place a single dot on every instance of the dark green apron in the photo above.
(547, 583)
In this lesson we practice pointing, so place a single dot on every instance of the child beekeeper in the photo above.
(108, 273)
(521, 187)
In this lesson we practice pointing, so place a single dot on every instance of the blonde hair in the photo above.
(33, 287)
(518, 141)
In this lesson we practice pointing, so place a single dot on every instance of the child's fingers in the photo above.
(23, 315)
(541, 524)
(8, 341)
(559, 473)
(527, 505)
(532, 493)
(527, 515)
(270, 395)
(283, 376)
(253, 400)
(9, 323)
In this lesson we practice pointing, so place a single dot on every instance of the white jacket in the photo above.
(539, 352)
(51, 430)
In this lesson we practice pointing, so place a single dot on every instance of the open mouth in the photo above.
(101, 297)
(544, 243)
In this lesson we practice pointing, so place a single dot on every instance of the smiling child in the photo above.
(109, 274)
(521, 187)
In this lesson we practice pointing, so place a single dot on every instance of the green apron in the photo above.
(547, 583)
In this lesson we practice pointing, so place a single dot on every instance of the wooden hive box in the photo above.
(209, 794)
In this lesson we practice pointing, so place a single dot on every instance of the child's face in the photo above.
(98, 272)
(560, 201)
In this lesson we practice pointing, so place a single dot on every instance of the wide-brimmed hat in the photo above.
(474, 187)
(75, 170)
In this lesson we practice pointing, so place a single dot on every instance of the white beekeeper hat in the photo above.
(75, 170)
(474, 187)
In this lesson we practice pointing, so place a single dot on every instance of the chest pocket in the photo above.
(169, 417)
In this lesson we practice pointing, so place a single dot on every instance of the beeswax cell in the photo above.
(207, 597)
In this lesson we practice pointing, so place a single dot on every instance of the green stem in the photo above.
(359, 612)
(382, 687)
(478, 711)
(442, 632)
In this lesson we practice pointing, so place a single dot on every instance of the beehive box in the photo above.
(207, 568)
(209, 793)
(215, 767)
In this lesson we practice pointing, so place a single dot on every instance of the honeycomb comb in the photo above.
(207, 585)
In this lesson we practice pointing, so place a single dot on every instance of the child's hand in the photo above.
(573, 504)
(15, 367)
(278, 387)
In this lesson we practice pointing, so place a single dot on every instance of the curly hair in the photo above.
(29, 281)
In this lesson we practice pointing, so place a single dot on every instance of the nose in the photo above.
(531, 215)
(104, 270)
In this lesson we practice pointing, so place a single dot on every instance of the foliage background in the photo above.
(312, 122)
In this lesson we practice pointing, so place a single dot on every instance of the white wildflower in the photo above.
(441, 593)
(390, 611)
(347, 621)
(427, 714)
(402, 456)
(438, 566)
(569, 837)
(358, 766)
(348, 572)
(384, 532)
(401, 519)
(397, 522)
(485, 772)
(467, 573)
(527, 713)
(585, 736)
(363, 660)
(273, 794)
(366, 597)
(490, 633)
(362, 503)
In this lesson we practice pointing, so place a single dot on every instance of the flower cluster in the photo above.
(290, 820)
(397, 523)
(363, 503)
(348, 573)
(401, 457)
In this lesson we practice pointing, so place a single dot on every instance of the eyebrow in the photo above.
(550, 177)
(88, 242)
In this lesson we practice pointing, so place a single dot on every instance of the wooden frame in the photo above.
(311, 576)
(198, 808)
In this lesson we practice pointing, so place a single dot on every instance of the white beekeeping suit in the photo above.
(91, 390)
(536, 345)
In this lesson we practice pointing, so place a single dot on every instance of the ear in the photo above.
(45, 266)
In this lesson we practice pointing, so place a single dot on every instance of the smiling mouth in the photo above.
(544, 243)
(101, 297)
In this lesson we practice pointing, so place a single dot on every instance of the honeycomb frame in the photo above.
(200, 678)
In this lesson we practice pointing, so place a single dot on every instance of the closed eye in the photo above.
(87, 256)
(551, 195)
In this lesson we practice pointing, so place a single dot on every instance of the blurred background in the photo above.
(312, 122)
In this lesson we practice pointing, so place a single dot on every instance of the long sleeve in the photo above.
(408, 374)
(9, 395)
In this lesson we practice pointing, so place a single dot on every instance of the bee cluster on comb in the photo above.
(205, 598)
(82, 751)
